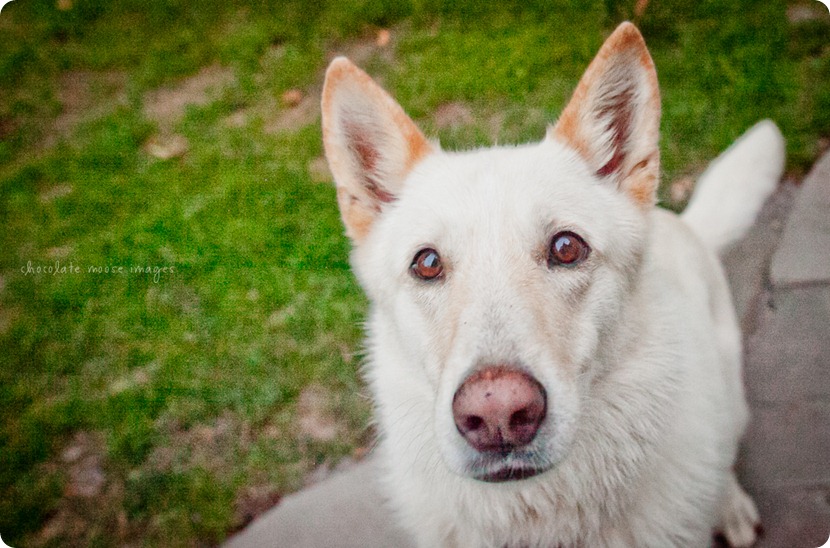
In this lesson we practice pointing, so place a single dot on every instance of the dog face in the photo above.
(501, 274)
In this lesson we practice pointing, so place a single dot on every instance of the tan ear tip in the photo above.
(627, 32)
(337, 71)
(340, 65)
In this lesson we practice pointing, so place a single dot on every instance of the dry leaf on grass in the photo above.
(167, 147)
(292, 97)
(383, 38)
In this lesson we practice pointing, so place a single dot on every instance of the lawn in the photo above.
(180, 332)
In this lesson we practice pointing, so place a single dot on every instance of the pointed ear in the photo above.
(613, 118)
(371, 144)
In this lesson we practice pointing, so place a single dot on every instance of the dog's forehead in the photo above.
(522, 185)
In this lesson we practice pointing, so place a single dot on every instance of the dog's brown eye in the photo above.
(567, 249)
(427, 264)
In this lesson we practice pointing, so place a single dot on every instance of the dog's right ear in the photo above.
(371, 144)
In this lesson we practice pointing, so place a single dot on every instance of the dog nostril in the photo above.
(473, 422)
(521, 418)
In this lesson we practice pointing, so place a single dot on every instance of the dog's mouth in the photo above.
(509, 473)
(513, 466)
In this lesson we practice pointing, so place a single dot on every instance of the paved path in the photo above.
(785, 462)
(780, 276)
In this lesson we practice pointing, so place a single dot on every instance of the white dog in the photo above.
(555, 361)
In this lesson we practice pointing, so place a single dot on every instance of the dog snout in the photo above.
(499, 408)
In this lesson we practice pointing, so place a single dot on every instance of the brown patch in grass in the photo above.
(136, 377)
(167, 105)
(53, 193)
(237, 119)
(91, 500)
(292, 118)
(59, 252)
(8, 125)
(7, 319)
(800, 12)
(203, 445)
(314, 415)
(85, 458)
(86, 95)
(453, 115)
(254, 500)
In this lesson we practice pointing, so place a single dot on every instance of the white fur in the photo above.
(638, 349)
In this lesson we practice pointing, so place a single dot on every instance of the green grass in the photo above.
(190, 383)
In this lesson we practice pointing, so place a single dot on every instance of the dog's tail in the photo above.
(731, 192)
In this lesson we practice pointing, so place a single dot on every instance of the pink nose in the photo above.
(499, 408)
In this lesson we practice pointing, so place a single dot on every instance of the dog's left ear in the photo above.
(613, 118)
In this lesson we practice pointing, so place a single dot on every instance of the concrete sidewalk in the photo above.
(780, 276)
(785, 462)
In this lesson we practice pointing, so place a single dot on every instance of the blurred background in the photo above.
(179, 329)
